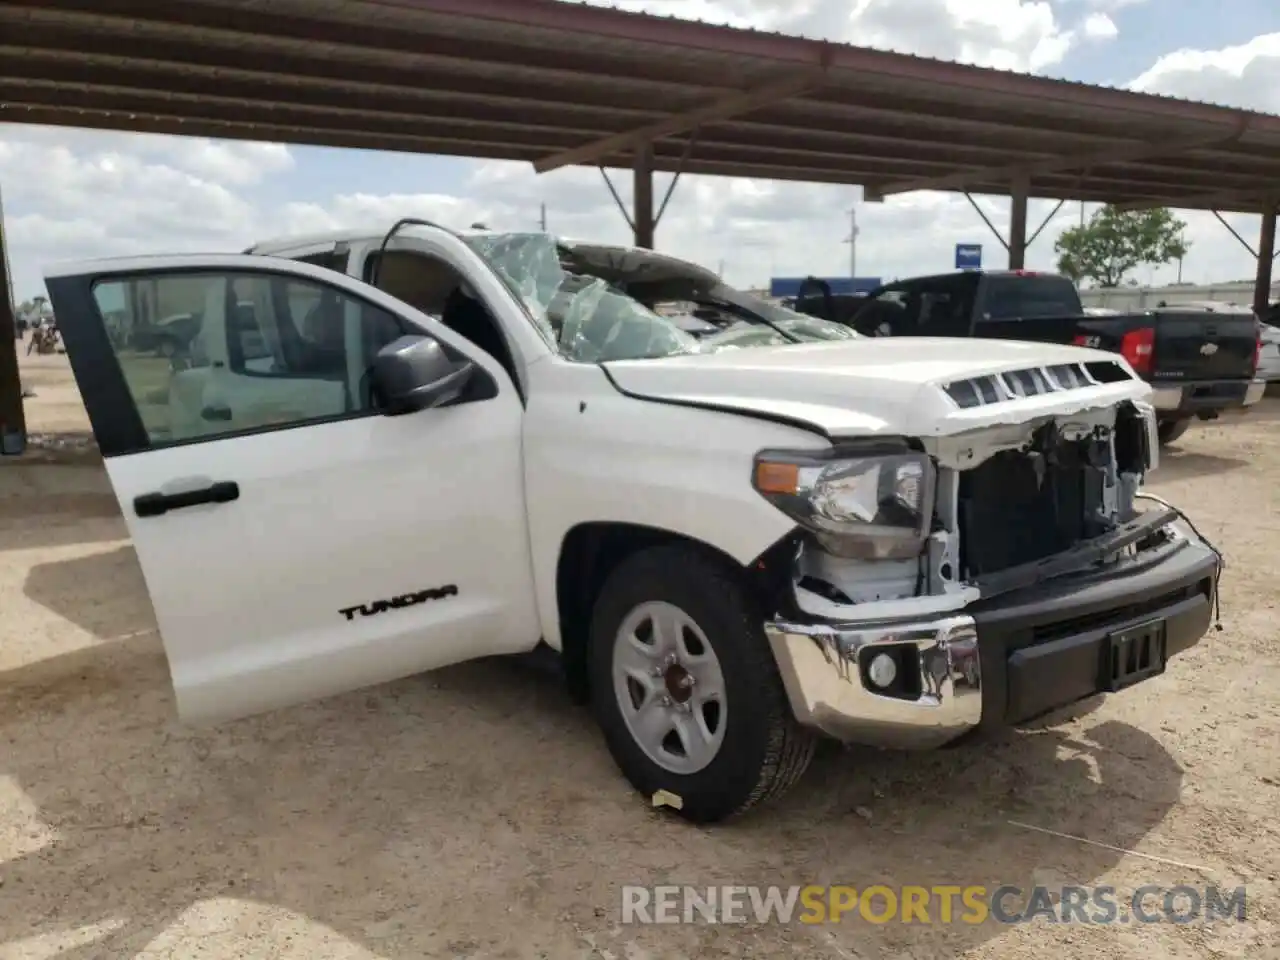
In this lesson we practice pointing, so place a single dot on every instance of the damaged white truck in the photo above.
(742, 528)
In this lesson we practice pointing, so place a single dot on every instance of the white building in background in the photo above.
(1145, 298)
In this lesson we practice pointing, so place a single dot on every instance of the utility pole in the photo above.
(13, 420)
(542, 220)
(852, 241)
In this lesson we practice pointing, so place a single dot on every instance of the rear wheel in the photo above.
(1171, 430)
(685, 687)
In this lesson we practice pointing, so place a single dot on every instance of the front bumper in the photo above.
(1206, 396)
(999, 663)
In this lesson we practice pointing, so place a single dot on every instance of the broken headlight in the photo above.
(868, 506)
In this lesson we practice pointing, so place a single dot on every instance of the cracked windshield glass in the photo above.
(599, 303)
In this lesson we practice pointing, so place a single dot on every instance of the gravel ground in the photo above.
(475, 813)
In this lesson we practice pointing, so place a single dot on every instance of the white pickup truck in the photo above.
(742, 528)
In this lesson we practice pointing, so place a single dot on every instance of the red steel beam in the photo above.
(1234, 201)
(723, 108)
(1085, 161)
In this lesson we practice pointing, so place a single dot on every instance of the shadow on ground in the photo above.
(476, 812)
(1180, 462)
(60, 501)
(100, 592)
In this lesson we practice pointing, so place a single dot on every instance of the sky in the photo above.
(72, 194)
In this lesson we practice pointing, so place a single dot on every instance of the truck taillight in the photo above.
(1137, 347)
(1257, 354)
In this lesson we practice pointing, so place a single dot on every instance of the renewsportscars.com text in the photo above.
(943, 904)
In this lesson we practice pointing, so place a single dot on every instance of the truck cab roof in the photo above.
(355, 234)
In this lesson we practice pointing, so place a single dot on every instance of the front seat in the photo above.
(470, 318)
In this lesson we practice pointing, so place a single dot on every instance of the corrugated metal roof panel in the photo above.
(523, 78)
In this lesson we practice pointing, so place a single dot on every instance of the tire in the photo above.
(1171, 430)
(761, 750)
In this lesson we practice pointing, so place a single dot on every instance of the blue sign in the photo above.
(968, 256)
(790, 286)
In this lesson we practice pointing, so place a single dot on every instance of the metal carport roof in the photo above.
(556, 83)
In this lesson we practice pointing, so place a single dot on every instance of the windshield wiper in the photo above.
(750, 317)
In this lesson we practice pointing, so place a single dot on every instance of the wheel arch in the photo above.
(591, 551)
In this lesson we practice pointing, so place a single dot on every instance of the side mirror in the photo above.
(413, 373)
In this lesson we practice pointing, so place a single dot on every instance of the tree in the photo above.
(1114, 242)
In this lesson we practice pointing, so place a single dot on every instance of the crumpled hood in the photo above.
(893, 386)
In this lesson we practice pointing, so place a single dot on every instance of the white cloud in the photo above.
(74, 193)
(1099, 26)
(1106, 4)
(238, 164)
(355, 209)
(1247, 75)
(71, 193)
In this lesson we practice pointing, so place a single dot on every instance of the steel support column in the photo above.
(1018, 192)
(642, 219)
(13, 420)
(1266, 256)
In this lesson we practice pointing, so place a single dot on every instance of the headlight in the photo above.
(873, 506)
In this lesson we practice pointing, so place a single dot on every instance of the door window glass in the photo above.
(1023, 297)
(232, 352)
(945, 307)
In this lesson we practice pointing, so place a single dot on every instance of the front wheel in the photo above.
(685, 687)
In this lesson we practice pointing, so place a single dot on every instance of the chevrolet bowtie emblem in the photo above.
(1209, 349)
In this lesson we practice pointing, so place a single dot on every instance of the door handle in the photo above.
(217, 412)
(156, 504)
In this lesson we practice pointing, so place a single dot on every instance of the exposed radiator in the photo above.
(1022, 506)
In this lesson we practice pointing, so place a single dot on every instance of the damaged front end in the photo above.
(905, 548)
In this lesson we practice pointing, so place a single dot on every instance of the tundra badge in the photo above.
(397, 603)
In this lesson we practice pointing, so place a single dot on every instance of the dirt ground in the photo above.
(475, 812)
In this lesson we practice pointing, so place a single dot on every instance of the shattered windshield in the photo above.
(596, 304)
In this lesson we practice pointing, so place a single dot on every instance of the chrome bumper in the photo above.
(1166, 398)
(824, 670)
